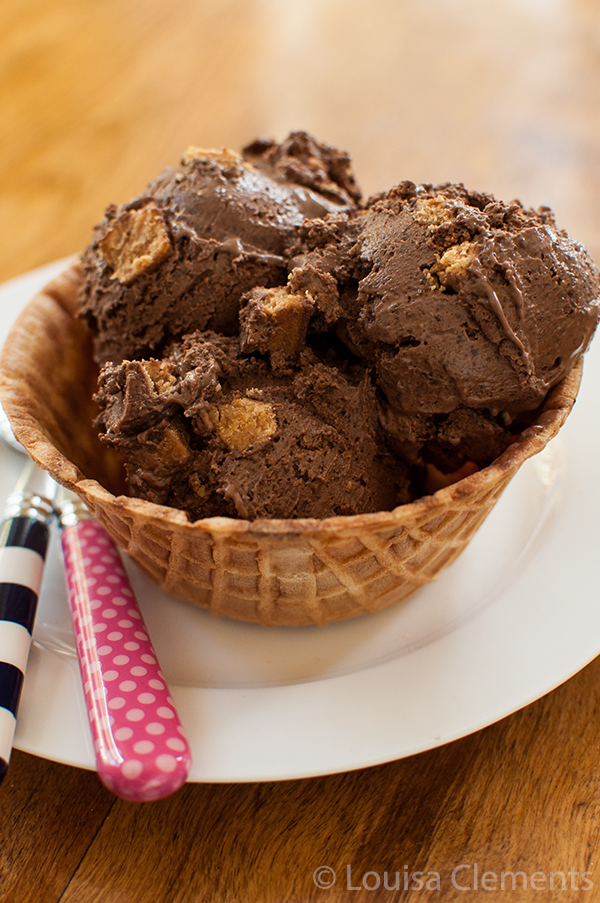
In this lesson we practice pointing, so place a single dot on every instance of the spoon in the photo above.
(140, 748)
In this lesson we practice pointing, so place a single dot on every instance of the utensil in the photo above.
(140, 748)
(24, 534)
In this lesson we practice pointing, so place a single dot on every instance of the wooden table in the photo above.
(98, 95)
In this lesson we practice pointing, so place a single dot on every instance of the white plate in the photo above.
(513, 618)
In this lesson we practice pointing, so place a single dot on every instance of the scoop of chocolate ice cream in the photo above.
(468, 309)
(470, 301)
(178, 257)
(215, 432)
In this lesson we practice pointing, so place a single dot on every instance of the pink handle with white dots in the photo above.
(141, 751)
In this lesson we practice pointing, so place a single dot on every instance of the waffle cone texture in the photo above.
(284, 572)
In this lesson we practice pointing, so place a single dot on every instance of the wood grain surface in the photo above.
(95, 97)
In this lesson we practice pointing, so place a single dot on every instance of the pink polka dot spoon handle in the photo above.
(141, 751)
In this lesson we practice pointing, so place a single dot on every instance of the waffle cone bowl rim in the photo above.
(62, 292)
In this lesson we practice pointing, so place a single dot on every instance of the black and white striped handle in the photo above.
(24, 534)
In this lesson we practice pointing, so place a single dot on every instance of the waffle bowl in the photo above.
(273, 572)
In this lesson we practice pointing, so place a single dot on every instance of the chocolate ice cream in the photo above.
(178, 257)
(215, 432)
(276, 348)
(468, 309)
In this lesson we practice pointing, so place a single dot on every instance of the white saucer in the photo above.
(513, 618)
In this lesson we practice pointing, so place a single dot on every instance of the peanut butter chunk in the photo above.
(162, 450)
(136, 243)
(454, 262)
(243, 422)
(274, 321)
(161, 374)
(433, 211)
